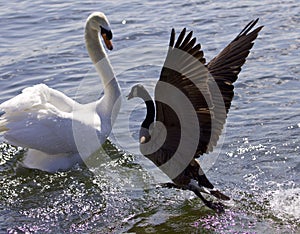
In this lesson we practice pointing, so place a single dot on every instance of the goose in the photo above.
(55, 128)
(192, 99)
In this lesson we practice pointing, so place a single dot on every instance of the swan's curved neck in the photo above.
(93, 44)
(111, 87)
(98, 56)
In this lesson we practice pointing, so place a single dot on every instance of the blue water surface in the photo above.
(257, 163)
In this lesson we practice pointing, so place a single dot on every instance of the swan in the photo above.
(192, 100)
(45, 120)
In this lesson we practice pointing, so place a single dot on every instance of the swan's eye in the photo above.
(108, 33)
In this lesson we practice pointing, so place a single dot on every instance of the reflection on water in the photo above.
(258, 167)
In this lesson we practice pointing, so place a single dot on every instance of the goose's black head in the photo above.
(140, 92)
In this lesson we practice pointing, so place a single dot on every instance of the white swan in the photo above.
(44, 120)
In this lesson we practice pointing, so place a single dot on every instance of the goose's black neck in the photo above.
(150, 114)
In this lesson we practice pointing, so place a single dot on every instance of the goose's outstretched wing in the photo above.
(226, 66)
(224, 69)
(182, 94)
(208, 88)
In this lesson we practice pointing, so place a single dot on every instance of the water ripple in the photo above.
(42, 42)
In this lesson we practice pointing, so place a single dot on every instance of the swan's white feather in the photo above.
(42, 119)
(33, 97)
(42, 161)
(57, 130)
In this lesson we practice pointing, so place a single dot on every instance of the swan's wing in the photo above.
(33, 97)
(43, 119)
(31, 121)
(60, 100)
(226, 66)
(183, 93)
(30, 100)
(51, 131)
(224, 69)
(41, 130)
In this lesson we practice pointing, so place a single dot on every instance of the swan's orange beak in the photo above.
(107, 42)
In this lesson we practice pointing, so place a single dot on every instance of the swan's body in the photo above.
(192, 100)
(44, 120)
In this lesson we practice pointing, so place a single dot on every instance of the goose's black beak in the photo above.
(129, 96)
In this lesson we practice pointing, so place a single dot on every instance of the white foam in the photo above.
(285, 203)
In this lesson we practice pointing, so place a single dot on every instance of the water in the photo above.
(258, 165)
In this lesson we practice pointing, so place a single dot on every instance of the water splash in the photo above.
(285, 204)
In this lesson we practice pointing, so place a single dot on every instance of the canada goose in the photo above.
(44, 120)
(186, 129)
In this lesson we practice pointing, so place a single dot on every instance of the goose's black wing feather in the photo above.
(225, 68)
(184, 72)
(182, 94)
